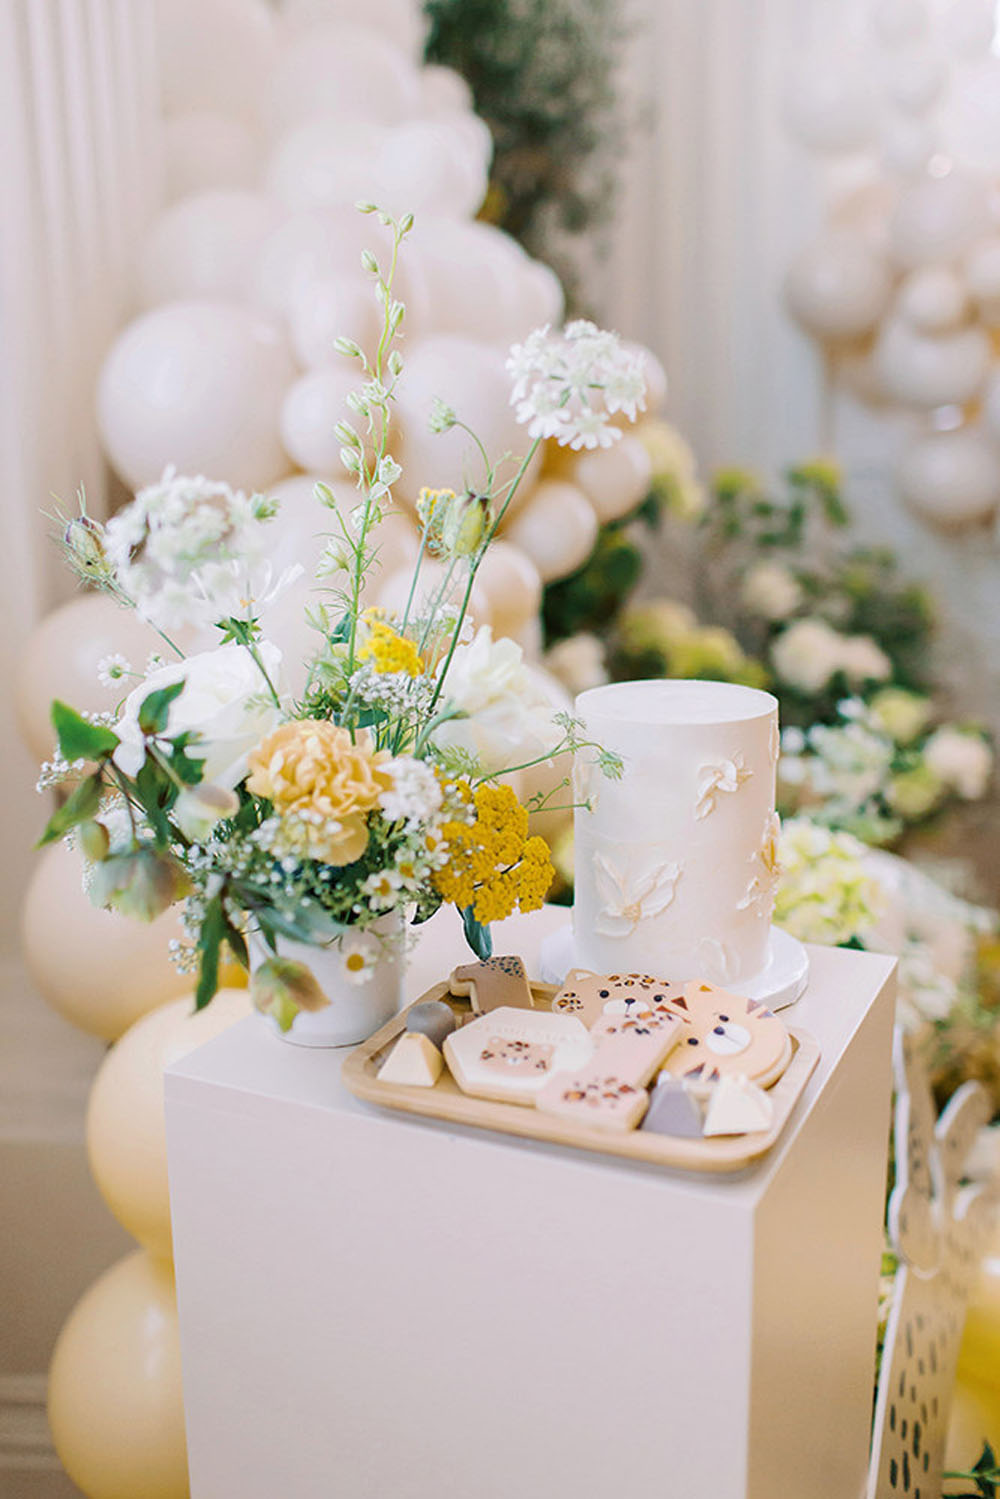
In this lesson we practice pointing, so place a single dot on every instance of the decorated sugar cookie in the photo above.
(510, 1054)
(674, 1109)
(738, 1107)
(414, 1061)
(725, 1035)
(431, 1018)
(588, 995)
(594, 1097)
(610, 1091)
(493, 983)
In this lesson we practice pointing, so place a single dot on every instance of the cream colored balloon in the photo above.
(471, 275)
(197, 385)
(335, 306)
(908, 143)
(443, 91)
(430, 167)
(342, 70)
(915, 78)
(310, 411)
(99, 970)
(115, 1402)
(392, 591)
(899, 22)
(556, 528)
(968, 27)
(545, 779)
(838, 287)
(982, 277)
(830, 100)
(856, 371)
(325, 162)
(951, 479)
(205, 150)
(865, 212)
(616, 479)
(400, 19)
(512, 585)
(61, 656)
(541, 295)
(310, 246)
(126, 1137)
(656, 376)
(205, 246)
(939, 219)
(925, 372)
(933, 299)
(213, 54)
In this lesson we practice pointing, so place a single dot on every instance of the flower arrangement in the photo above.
(371, 797)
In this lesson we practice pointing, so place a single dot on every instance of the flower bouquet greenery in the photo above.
(314, 818)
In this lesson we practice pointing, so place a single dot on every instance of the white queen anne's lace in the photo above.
(569, 384)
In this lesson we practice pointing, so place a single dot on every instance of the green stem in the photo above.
(255, 655)
(413, 583)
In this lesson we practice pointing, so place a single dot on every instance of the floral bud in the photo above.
(347, 346)
(350, 460)
(141, 884)
(94, 841)
(282, 988)
(442, 417)
(368, 262)
(198, 808)
(84, 541)
(347, 434)
(406, 223)
(363, 206)
(466, 524)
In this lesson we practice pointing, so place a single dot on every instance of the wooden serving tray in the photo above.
(447, 1101)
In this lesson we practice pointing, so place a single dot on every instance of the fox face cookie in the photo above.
(727, 1035)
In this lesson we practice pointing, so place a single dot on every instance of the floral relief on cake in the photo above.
(629, 896)
(719, 778)
(766, 867)
(775, 740)
(715, 960)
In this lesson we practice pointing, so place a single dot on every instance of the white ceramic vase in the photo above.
(356, 1010)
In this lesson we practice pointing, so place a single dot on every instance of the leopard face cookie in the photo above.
(589, 995)
(727, 1035)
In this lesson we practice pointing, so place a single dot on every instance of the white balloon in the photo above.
(615, 479)
(310, 246)
(547, 777)
(925, 372)
(856, 371)
(970, 118)
(897, 22)
(556, 528)
(443, 91)
(322, 311)
(864, 213)
(932, 300)
(951, 478)
(205, 246)
(310, 411)
(471, 275)
(837, 288)
(392, 591)
(968, 27)
(541, 295)
(938, 219)
(908, 144)
(326, 163)
(830, 101)
(991, 406)
(345, 70)
(512, 585)
(915, 78)
(213, 54)
(204, 150)
(471, 378)
(428, 167)
(403, 20)
(197, 385)
(300, 530)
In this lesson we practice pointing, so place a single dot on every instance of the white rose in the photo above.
(578, 663)
(771, 591)
(508, 718)
(963, 761)
(861, 660)
(807, 654)
(224, 702)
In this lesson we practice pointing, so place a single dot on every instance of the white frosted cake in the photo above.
(676, 862)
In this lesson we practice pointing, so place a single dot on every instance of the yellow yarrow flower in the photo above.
(493, 866)
(389, 651)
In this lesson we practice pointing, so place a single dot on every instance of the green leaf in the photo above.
(156, 708)
(80, 806)
(237, 944)
(156, 792)
(478, 937)
(213, 929)
(78, 738)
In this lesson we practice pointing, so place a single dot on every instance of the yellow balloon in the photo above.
(974, 1419)
(126, 1139)
(979, 1355)
(101, 971)
(115, 1404)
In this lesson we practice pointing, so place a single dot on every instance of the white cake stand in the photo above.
(778, 984)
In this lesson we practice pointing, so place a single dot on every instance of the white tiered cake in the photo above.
(676, 862)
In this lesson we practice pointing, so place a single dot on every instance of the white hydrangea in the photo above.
(568, 385)
(825, 893)
(807, 654)
(771, 591)
(193, 551)
(963, 761)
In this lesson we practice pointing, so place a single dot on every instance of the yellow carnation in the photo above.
(323, 787)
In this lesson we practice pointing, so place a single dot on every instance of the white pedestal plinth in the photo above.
(376, 1305)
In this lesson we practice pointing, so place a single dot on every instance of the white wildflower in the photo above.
(415, 794)
(568, 385)
(112, 668)
(359, 952)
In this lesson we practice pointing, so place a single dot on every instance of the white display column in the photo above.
(376, 1304)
